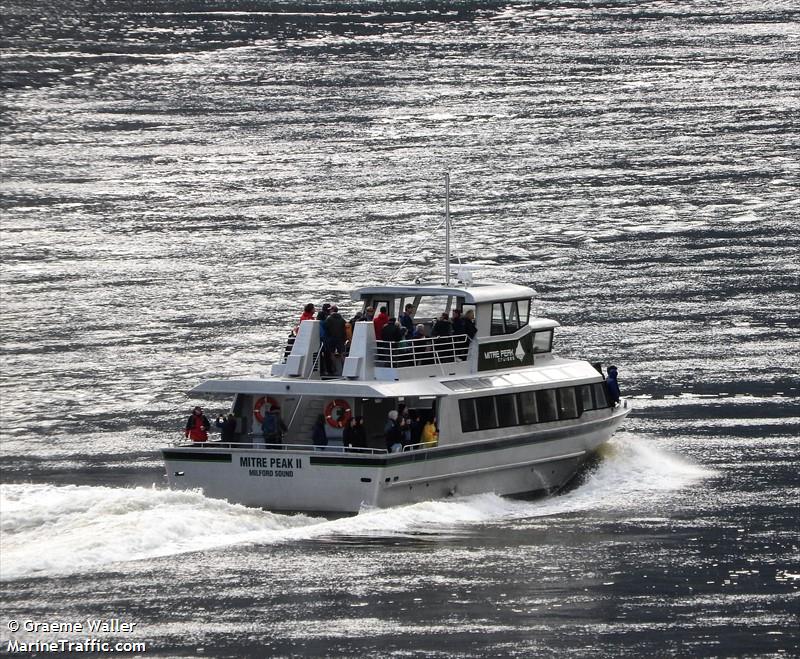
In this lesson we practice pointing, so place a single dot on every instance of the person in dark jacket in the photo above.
(442, 327)
(416, 427)
(335, 337)
(391, 333)
(612, 386)
(458, 322)
(407, 320)
(318, 436)
(392, 434)
(350, 437)
(227, 427)
(469, 324)
(273, 427)
(360, 435)
(198, 425)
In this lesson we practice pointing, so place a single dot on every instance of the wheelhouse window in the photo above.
(498, 326)
(524, 312)
(508, 317)
(543, 341)
(511, 313)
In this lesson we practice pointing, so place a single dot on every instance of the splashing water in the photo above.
(50, 529)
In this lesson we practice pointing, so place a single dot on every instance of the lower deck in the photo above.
(330, 479)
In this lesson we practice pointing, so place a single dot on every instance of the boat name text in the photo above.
(271, 467)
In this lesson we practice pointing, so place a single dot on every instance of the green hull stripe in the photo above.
(197, 456)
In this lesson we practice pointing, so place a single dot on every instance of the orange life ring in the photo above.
(338, 413)
(260, 403)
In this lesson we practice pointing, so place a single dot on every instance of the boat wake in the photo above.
(55, 530)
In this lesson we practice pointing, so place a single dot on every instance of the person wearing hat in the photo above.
(612, 386)
(197, 426)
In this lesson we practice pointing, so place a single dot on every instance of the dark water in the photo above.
(178, 178)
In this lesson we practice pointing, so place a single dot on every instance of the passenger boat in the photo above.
(513, 417)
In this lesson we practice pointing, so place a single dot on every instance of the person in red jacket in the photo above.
(309, 313)
(197, 426)
(380, 321)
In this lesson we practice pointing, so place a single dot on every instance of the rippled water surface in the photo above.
(179, 178)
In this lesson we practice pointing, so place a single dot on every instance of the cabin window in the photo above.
(497, 319)
(431, 307)
(546, 404)
(567, 405)
(524, 312)
(527, 407)
(469, 422)
(543, 341)
(512, 316)
(600, 397)
(585, 397)
(507, 410)
(487, 415)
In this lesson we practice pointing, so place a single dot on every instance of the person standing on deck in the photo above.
(227, 427)
(392, 434)
(197, 426)
(309, 312)
(407, 320)
(430, 435)
(273, 427)
(318, 436)
(380, 321)
(612, 386)
(469, 324)
(335, 337)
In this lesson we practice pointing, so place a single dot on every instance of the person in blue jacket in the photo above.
(612, 386)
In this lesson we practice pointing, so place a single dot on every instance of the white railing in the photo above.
(422, 352)
(419, 447)
(260, 446)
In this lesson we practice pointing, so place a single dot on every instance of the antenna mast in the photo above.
(447, 228)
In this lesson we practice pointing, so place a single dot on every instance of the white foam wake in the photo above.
(47, 529)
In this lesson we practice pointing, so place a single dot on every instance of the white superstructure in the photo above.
(513, 417)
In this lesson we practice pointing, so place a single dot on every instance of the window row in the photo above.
(508, 317)
(527, 407)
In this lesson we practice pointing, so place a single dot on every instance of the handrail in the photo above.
(419, 446)
(309, 448)
(422, 352)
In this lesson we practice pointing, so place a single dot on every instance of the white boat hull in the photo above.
(540, 460)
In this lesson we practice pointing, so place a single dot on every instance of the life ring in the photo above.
(338, 413)
(260, 403)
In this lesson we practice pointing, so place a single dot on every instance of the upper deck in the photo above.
(504, 335)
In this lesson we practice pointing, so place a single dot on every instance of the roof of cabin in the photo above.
(557, 372)
(472, 294)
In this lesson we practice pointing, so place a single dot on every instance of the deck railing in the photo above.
(422, 352)
(260, 446)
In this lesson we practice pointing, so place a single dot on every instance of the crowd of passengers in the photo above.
(336, 333)
(403, 428)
